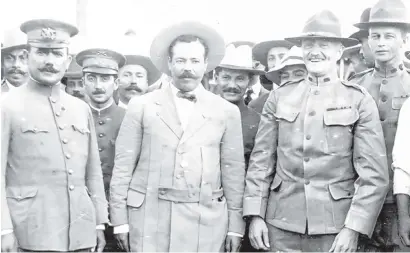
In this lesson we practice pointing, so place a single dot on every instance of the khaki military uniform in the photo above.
(52, 186)
(319, 160)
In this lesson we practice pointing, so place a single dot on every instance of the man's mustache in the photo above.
(135, 87)
(78, 94)
(16, 71)
(320, 56)
(187, 74)
(49, 69)
(98, 92)
(232, 90)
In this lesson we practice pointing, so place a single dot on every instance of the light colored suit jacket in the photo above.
(178, 190)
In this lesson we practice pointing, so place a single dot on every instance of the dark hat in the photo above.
(48, 33)
(363, 19)
(407, 54)
(152, 72)
(260, 50)
(324, 25)
(387, 12)
(101, 61)
(74, 70)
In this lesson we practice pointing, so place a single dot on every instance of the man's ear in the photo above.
(206, 62)
(68, 62)
(340, 51)
(116, 83)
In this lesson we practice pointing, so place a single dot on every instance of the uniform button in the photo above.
(61, 127)
(312, 113)
(71, 187)
(101, 135)
(101, 122)
(58, 114)
(68, 156)
(306, 159)
(63, 108)
(70, 171)
(184, 164)
(307, 181)
(65, 141)
(308, 137)
(384, 99)
(316, 92)
(382, 119)
(53, 100)
(162, 192)
(178, 176)
(384, 81)
(100, 149)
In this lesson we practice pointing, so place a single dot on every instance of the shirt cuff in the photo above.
(101, 227)
(235, 234)
(121, 229)
(6, 231)
(401, 182)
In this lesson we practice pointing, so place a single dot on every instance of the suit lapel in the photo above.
(168, 112)
(198, 117)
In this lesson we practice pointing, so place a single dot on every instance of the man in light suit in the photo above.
(178, 178)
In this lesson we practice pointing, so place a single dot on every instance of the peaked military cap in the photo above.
(100, 61)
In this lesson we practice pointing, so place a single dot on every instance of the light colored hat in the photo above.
(387, 12)
(101, 61)
(13, 39)
(161, 43)
(323, 25)
(48, 33)
(292, 58)
(260, 51)
(239, 58)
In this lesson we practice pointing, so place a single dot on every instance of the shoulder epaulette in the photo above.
(360, 74)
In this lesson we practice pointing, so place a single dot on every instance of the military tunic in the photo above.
(319, 159)
(250, 121)
(52, 186)
(107, 124)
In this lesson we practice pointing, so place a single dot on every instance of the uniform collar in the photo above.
(53, 92)
(321, 81)
(104, 110)
(391, 70)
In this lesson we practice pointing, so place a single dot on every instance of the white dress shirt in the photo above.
(401, 157)
(184, 108)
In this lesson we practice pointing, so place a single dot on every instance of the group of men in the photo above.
(297, 144)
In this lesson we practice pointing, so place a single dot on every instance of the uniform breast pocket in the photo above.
(286, 117)
(339, 126)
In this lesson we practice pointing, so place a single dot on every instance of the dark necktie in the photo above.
(186, 95)
(248, 97)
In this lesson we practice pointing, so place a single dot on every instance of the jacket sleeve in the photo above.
(233, 170)
(6, 222)
(370, 163)
(94, 177)
(127, 152)
(262, 162)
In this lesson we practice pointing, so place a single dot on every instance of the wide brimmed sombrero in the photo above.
(239, 58)
(324, 25)
(387, 12)
(260, 50)
(153, 73)
(161, 43)
(292, 58)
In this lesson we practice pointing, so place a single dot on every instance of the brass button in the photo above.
(308, 137)
(101, 135)
(61, 127)
(312, 113)
(306, 159)
(307, 181)
(101, 122)
(100, 149)
(316, 92)
(65, 141)
(70, 171)
(384, 81)
(62, 108)
(68, 156)
(71, 187)
(53, 100)
(162, 192)
(384, 99)
(58, 114)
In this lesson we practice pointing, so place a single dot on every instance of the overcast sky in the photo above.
(253, 20)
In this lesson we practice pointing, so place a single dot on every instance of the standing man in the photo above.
(100, 71)
(291, 69)
(73, 81)
(179, 169)
(318, 172)
(52, 186)
(14, 60)
(389, 85)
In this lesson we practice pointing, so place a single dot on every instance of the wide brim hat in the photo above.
(161, 43)
(14, 39)
(292, 58)
(363, 19)
(74, 70)
(260, 50)
(324, 25)
(153, 73)
(387, 13)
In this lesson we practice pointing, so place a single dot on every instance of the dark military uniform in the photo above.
(389, 88)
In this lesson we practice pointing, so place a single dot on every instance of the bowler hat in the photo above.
(323, 25)
(387, 12)
(161, 43)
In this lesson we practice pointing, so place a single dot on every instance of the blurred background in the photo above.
(254, 20)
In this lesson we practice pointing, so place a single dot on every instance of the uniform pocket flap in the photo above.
(342, 190)
(33, 128)
(21, 192)
(135, 198)
(277, 181)
(397, 102)
(343, 117)
(286, 112)
(81, 129)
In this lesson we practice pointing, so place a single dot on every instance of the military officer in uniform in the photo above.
(52, 186)
(14, 60)
(100, 71)
(389, 85)
(318, 172)
(179, 171)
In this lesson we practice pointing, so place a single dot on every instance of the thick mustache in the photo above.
(232, 90)
(16, 71)
(317, 57)
(48, 69)
(78, 94)
(187, 75)
(134, 87)
(98, 92)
